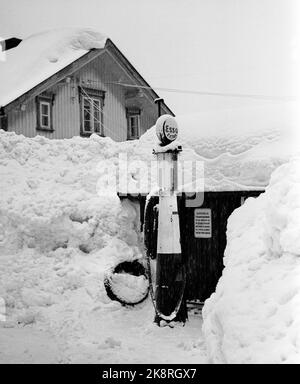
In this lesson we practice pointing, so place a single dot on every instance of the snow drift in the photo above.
(60, 233)
(254, 315)
(57, 234)
(49, 194)
(55, 198)
(62, 227)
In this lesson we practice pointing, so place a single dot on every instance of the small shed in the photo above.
(239, 151)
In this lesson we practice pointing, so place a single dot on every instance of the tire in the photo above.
(117, 283)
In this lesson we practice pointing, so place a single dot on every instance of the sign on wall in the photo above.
(202, 223)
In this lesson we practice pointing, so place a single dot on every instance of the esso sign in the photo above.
(166, 129)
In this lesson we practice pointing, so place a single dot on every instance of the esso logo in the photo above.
(166, 129)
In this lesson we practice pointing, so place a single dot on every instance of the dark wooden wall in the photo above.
(204, 256)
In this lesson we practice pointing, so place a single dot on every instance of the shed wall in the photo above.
(204, 256)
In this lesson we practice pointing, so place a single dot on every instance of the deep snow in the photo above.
(62, 227)
(254, 315)
(58, 239)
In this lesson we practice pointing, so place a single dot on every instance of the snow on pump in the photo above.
(170, 274)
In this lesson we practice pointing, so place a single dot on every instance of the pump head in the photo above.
(166, 129)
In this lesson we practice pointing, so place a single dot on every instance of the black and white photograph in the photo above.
(149, 184)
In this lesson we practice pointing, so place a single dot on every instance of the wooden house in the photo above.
(62, 87)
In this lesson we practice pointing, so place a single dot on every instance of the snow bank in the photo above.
(62, 227)
(254, 315)
(42, 55)
(58, 239)
(57, 234)
(49, 194)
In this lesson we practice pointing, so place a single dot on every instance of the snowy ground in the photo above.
(27, 346)
(58, 311)
(112, 334)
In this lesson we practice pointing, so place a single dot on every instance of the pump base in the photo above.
(170, 287)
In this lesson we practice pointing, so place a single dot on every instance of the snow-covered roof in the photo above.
(40, 56)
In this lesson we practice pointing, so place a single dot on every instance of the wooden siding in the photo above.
(148, 119)
(99, 75)
(102, 73)
(204, 256)
(23, 122)
(66, 121)
(65, 115)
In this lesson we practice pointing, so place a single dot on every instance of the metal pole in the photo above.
(170, 273)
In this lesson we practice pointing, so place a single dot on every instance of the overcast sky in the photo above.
(231, 46)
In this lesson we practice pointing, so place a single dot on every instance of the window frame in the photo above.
(92, 96)
(133, 113)
(40, 101)
(92, 101)
(48, 114)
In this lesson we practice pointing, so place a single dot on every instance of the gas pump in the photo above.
(170, 272)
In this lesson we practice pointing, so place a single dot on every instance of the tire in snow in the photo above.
(127, 283)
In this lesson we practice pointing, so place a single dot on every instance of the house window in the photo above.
(133, 123)
(92, 115)
(92, 112)
(45, 117)
(44, 113)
